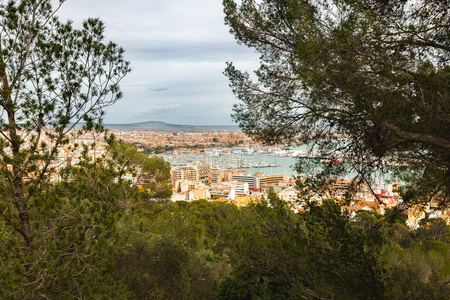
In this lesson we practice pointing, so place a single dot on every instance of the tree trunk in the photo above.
(15, 143)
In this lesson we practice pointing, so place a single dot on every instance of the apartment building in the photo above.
(229, 189)
(289, 195)
(189, 173)
(195, 173)
(222, 190)
(251, 180)
(273, 179)
(228, 174)
(204, 171)
(215, 177)
(241, 188)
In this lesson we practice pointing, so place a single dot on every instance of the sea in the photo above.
(278, 164)
(269, 163)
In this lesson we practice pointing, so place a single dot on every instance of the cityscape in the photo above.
(229, 150)
(226, 166)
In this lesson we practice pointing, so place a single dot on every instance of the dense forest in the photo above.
(375, 73)
(209, 250)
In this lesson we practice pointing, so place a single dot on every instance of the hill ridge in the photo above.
(163, 126)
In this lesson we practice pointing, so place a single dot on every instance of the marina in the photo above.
(276, 161)
(269, 163)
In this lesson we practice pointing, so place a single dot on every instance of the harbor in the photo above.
(269, 163)
(275, 161)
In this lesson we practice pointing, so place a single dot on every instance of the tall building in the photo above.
(189, 173)
(251, 180)
(193, 173)
(204, 171)
(215, 177)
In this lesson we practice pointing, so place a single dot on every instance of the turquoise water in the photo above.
(286, 164)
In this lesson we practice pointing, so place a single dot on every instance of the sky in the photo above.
(177, 50)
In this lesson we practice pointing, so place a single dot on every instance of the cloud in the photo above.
(160, 109)
(158, 88)
(190, 52)
(177, 50)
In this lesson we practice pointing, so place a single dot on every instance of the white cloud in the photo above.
(160, 109)
(177, 50)
(158, 88)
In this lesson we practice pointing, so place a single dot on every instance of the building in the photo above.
(229, 190)
(242, 201)
(204, 171)
(186, 185)
(241, 188)
(273, 179)
(189, 173)
(215, 177)
(222, 190)
(195, 173)
(288, 195)
(190, 191)
(229, 173)
(252, 181)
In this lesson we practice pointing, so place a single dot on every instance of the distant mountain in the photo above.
(162, 126)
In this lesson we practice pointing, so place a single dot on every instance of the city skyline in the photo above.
(177, 51)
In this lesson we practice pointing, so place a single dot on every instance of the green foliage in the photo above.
(362, 80)
(53, 77)
(273, 199)
(157, 149)
(94, 235)
(72, 226)
(418, 274)
(56, 238)
(433, 230)
(395, 215)
(155, 267)
(417, 262)
(278, 254)
(325, 254)
(174, 251)
(152, 173)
